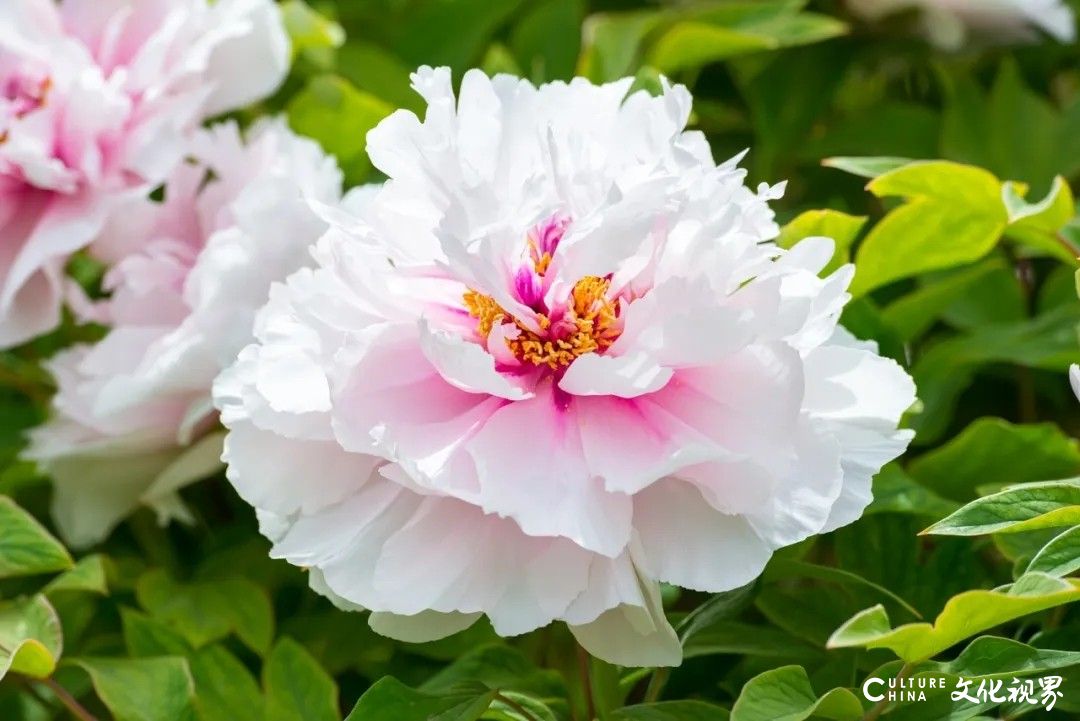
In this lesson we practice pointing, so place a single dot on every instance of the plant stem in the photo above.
(69, 701)
(525, 713)
(656, 684)
(879, 708)
(586, 683)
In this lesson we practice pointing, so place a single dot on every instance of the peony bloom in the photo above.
(96, 100)
(948, 23)
(133, 415)
(552, 362)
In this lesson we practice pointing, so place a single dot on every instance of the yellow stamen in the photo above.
(593, 315)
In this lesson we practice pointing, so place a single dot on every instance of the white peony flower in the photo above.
(133, 416)
(552, 362)
(949, 23)
(98, 99)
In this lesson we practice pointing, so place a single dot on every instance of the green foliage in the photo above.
(992, 452)
(1021, 508)
(672, 711)
(210, 610)
(786, 693)
(297, 689)
(145, 689)
(963, 616)
(26, 548)
(945, 178)
(30, 637)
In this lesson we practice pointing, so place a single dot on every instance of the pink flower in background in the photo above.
(553, 362)
(97, 98)
(949, 23)
(133, 415)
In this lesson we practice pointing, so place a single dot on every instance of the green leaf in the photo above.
(781, 568)
(88, 575)
(145, 636)
(390, 700)
(325, 108)
(980, 294)
(224, 688)
(499, 667)
(691, 44)
(841, 227)
(992, 451)
(1013, 131)
(994, 657)
(867, 167)
(31, 640)
(740, 639)
(671, 711)
(612, 42)
(207, 611)
(964, 615)
(785, 694)
(1060, 557)
(512, 706)
(374, 70)
(696, 41)
(948, 368)
(1019, 508)
(954, 215)
(446, 32)
(719, 607)
(896, 492)
(787, 93)
(26, 548)
(1039, 225)
(308, 29)
(297, 688)
(542, 59)
(145, 689)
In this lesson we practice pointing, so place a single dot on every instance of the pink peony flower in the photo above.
(553, 362)
(96, 99)
(949, 23)
(133, 416)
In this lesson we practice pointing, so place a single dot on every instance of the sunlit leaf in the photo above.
(964, 616)
(30, 637)
(1019, 508)
(786, 693)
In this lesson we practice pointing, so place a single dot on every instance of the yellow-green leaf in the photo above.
(964, 615)
(31, 640)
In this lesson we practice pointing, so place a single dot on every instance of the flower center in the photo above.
(586, 322)
(589, 324)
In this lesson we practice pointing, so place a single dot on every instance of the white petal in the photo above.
(626, 376)
(466, 365)
(530, 466)
(686, 542)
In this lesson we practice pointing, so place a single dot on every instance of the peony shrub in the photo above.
(556, 361)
